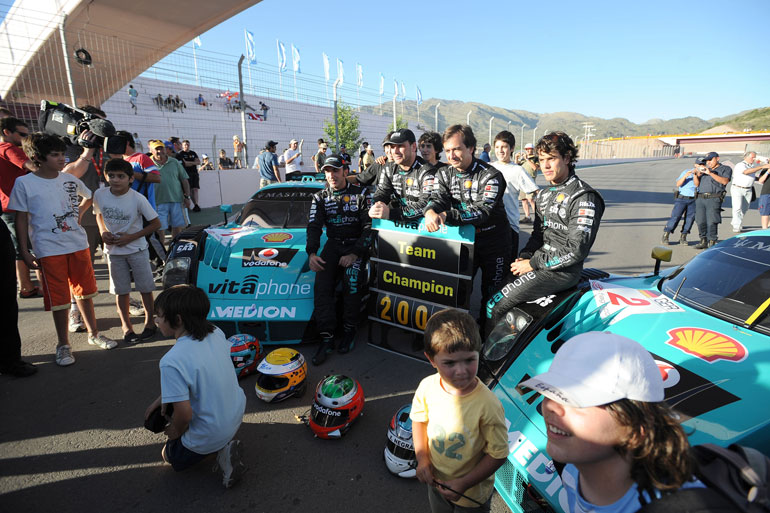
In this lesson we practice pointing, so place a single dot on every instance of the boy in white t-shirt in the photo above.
(120, 211)
(48, 208)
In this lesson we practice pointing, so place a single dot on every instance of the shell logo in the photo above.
(277, 237)
(707, 345)
(409, 182)
(346, 198)
(468, 184)
(560, 197)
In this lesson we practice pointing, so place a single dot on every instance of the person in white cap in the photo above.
(530, 164)
(606, 418)
(293, 158)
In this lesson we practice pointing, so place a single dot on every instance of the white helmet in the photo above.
(399, 451)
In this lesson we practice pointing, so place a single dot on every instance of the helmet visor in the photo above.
(272, 383)
(403, 453)
(326, 417)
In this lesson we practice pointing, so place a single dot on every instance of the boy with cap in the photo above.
(606, 418)
(268, 165)
(684, 204)
(711, 182)
(342, 208)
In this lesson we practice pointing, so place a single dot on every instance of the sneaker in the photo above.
(230, 463)
(64, 356)
(683, 239)
(664, 240)
(135, 308)
(76, 322)
(101, 341)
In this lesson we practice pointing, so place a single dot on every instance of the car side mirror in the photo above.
(226, 209)
(661, 254)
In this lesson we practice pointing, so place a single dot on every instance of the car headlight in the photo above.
(505, 334)
(176, 272)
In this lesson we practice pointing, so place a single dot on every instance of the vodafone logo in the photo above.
(669, 374)
(268, 253)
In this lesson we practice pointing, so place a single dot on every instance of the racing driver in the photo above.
(404, 188)
(343, 209)
(470, 191)
(567, 217)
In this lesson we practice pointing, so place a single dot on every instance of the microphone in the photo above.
(101, 127)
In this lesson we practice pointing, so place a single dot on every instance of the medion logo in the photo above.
(254, 311)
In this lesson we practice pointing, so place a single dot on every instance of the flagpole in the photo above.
(280, 73)
(251, 85)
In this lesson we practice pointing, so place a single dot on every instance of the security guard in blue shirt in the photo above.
(684, 204)
(711, 183)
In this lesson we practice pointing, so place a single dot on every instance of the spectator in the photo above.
(485, 153)
(431, 148)
(179, 103)
(293, 159)
(372, 173)
(169, 103)
(200, 101)
(764, 198)
(516, 180)
(159, 101)
(529, 162)
(454, 404)
(120, 214)
(742, 187)
(13, 164)
(268, 165)
(176, 146)
(132, 95)
(684, 204)
(197, 378)
(368, 159)
(47, 206)
(604, 410)
(224, 160)
(206, 165)
(239, 157)
(711, 183)
(320, 157)
(361, 155)
(346, 159)
(264, 108)
(173, 192)
(138, 143)
(190, 161)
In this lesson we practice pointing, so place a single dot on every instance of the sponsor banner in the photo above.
(267, 257)
(625, 301)
(464, 233)
(252, 286)
(419, 283)
(427, 252)
(252, 311)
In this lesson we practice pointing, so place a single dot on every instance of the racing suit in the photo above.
(567, 219)
(476, 197)
(345, 214)
(405, 192)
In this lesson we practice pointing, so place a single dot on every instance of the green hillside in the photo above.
(757, 119)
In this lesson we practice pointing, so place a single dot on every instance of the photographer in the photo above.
(711, 182)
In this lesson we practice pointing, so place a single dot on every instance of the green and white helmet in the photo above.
(338, 401)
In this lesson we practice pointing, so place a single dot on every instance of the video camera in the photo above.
(70, 123)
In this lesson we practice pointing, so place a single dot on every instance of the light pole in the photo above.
(435, 123)
(508, 127)
(468, 118)
(490, 129)
(533, 136)
(521, 140)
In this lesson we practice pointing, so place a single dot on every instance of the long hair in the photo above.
(656, 444)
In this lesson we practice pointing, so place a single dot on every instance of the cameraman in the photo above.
(711, 182)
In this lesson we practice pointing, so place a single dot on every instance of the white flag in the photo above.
(360, 75)
(382, 84)
(281, 56)
(326, 67)
(197, 41)
(295, 58)
(251, 54)
(340, 72)
(403, 91)
(395, 86)
(419, 95)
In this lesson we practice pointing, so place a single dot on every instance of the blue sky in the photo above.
(638, 60)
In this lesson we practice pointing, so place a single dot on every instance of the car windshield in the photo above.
(278, 208)
(730, 281)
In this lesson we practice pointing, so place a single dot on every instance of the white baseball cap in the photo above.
(596, 368)
(528, 146)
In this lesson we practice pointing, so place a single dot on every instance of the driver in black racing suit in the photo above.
(404, 187)
(567, 217)
(470, 191)
(343, 209)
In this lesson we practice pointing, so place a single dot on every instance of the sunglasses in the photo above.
(23, 134)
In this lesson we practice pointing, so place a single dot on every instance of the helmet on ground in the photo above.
(338, 401)
(281, 375)
(244, 351)
(399, 451)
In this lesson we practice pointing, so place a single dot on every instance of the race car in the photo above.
(254, 268)
(706, 323)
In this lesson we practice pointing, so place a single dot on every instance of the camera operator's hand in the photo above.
(87, 139)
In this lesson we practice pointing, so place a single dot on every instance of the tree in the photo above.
(350, 136)
(400, 123)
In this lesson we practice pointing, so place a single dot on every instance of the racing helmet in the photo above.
(244, 352)
(281, 375)
(338, 401)
(399, 450)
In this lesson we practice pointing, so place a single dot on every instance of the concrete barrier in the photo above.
(222, 187)
(606, 162)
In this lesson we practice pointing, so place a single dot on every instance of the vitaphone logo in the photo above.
(250, 285)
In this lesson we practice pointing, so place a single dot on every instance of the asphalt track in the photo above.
(71, 439)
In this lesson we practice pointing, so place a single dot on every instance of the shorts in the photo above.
(264, 182)
(65, 273)
(764, 205)
(523, 195)
(438, 504)
(123, 266)
(194, 179)
(171, 214)
(180, 457)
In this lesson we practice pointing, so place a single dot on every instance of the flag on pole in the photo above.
(326, 67)
(197, 41)
(382, 84)
(340, 72)
(419, 95)
(295, 58)
(360, 75)
(403, 91)
(251, 54)
(395, 85)
(281, 56)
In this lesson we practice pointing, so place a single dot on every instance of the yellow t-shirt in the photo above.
(461, 429)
